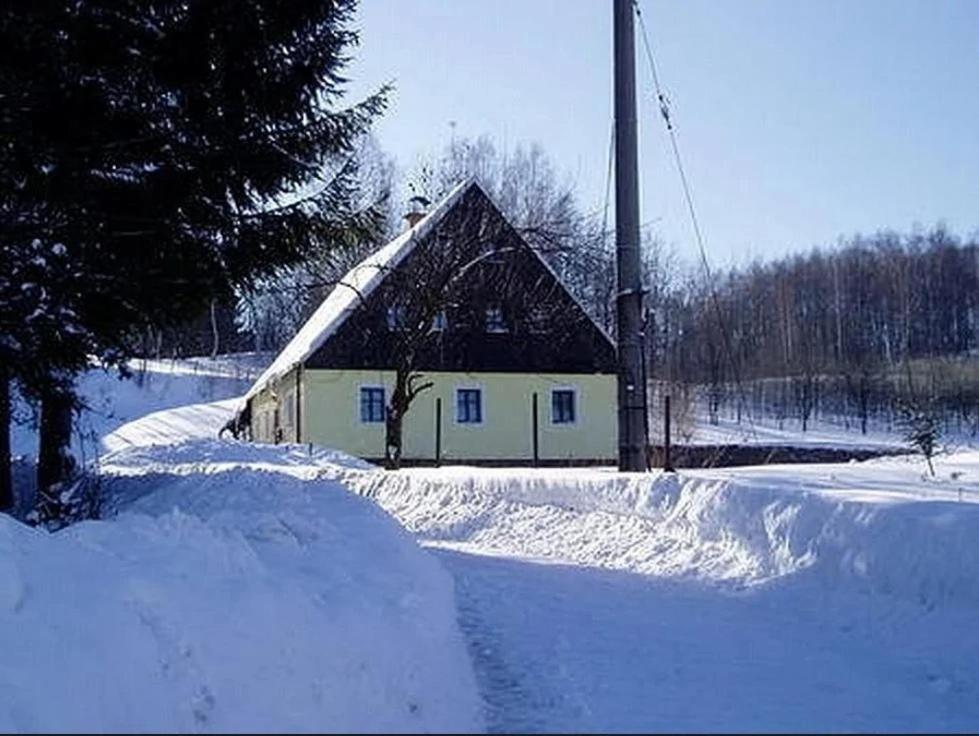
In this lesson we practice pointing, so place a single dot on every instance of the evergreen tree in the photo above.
(922, 429)
(159, 154)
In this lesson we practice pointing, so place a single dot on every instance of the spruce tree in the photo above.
(159, 154)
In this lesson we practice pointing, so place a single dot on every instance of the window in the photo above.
(539, 320)
(439, 322)
(562, 406)
(396, 318)
(371, 404)
(495, 321)
(289, 404)
(469, 406)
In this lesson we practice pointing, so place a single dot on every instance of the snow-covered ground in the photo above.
(229, 588)
(156, 385)
(803, 598)
(821, 431)
(762, 430)
(885, 522)
(815, 598)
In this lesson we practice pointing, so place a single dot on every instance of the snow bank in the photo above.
(154, 386)
(232, 591)
(172, 425)
(875, 527)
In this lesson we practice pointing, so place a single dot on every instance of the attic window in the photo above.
(495, 321)
(538, 320)
(396, 318)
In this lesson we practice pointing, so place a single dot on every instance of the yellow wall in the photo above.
(331, 416)
(276, 405)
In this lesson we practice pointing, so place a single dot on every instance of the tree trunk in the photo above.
(215, 334)
(6, 481)
(55, 464)
(392, 443)
(394, 422)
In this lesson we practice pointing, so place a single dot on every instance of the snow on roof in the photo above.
(353, 289)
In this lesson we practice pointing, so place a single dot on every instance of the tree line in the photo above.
(856, 330)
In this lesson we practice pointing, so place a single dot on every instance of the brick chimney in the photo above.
(413, 218)
(418, 209)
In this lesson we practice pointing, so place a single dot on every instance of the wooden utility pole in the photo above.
(633, 439)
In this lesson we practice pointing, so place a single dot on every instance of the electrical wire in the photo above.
(664, 109)
(608, 181)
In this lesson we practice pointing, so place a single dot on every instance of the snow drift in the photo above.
(155, 385)
(876, 527)
(230, 591)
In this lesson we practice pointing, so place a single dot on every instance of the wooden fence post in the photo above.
(438, 432)
(667, 459)
(535, 424)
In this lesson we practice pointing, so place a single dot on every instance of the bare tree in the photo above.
(471, 286)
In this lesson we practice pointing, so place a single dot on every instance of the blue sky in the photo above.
(799, 121)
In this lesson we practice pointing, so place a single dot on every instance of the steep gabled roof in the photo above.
(352, 290)
(364, 278)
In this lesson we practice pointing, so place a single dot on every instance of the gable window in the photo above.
(396, 318)
(495, 321)
(469, 406)
(563, 409)
(539, 320)
(371, 404)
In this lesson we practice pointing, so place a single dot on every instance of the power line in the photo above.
(608, 181)
(664, 109)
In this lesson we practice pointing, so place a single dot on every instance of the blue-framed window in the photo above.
(469, 406)
(496, 320)
(396, 319)
(371, 404)
(563, 409)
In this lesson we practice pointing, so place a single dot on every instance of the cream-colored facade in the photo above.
(326, 411)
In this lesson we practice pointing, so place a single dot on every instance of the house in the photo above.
(458, 343)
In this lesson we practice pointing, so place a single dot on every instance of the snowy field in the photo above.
(829, 431)
(762, 430)
(251, 590)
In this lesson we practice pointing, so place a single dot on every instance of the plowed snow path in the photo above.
(567, 648)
